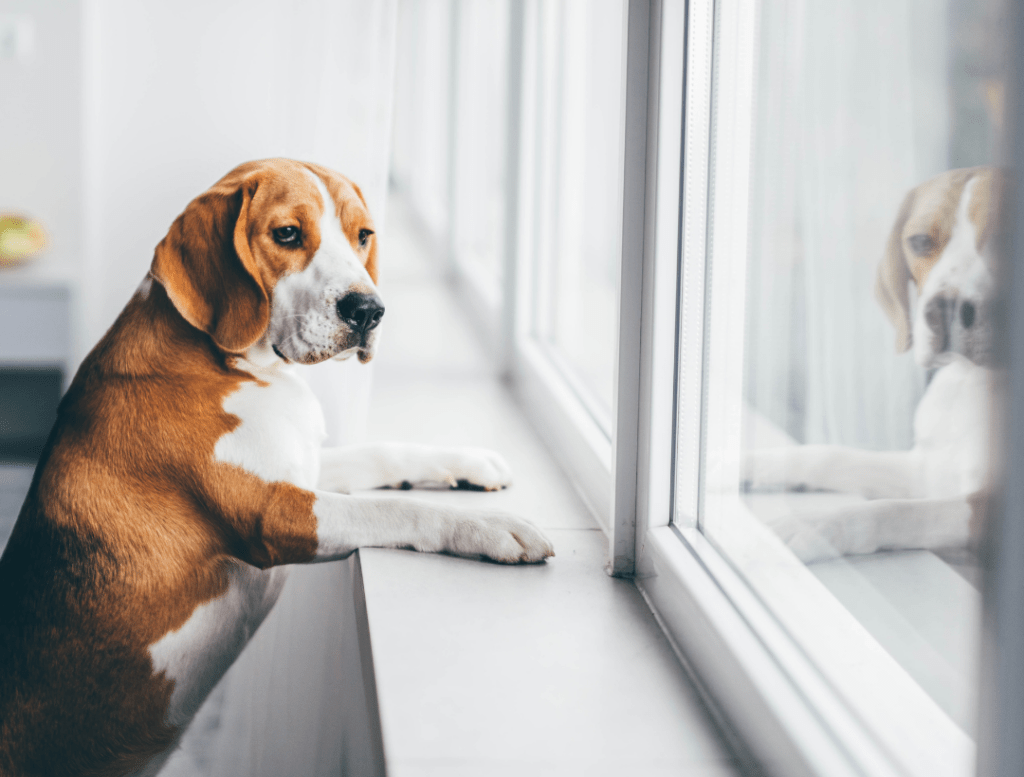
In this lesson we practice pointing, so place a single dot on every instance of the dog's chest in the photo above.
(280, 432)
(952, 426)
(955, 408)
(278, 437)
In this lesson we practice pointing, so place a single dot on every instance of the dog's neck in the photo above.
(151, 338)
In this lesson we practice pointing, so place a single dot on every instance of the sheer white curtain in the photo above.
(422, 140)
(852, 112)
(480, 124)
(174, 96)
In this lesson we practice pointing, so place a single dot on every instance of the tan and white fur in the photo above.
(931, 495)
(186, 471)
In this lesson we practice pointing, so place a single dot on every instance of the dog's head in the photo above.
(941, 242)
(278, 252)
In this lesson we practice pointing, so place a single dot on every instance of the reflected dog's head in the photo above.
(941, 242)
(278, 253)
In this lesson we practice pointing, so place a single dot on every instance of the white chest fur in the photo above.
(281, 429)
(951, 427)
(278, 438)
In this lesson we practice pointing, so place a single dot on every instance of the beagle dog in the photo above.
(185, 472)
(930, 496)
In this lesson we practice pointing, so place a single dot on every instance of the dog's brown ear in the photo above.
(208, 270)
(893, 277)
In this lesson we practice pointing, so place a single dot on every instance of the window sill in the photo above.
(483, 669)
(552, 669)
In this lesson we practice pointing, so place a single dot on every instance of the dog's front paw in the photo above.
(501, 537)
(475, 469)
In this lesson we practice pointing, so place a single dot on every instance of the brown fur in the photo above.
(129, 523)
(893, 276)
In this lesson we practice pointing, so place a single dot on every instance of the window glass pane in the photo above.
(578, 203)
(848, 331)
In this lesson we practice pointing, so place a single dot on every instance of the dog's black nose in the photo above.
(967, 313)
(360, 311)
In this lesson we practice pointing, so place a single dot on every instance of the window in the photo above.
(576, 120)
(570, 232)
(691, 225)
(842, 580)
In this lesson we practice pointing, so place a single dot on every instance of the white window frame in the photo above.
(857, 711)
(1001, 718)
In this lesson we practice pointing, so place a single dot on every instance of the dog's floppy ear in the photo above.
(893, 277)
(208, 270)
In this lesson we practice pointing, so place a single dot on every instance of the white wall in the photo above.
(40, 142)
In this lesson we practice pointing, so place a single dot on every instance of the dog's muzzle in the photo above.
(960, 325)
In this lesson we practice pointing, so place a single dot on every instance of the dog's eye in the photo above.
(921, 244)
(364, 235)
(287, 236)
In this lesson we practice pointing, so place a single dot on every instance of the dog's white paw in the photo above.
(501, 537)
(477, 469)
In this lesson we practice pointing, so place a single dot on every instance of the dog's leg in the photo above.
(274, 523)
(874, 474)
(345, 523)
(882, 524)
(362, 467)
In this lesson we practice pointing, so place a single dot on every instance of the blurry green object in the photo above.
(20, 239)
